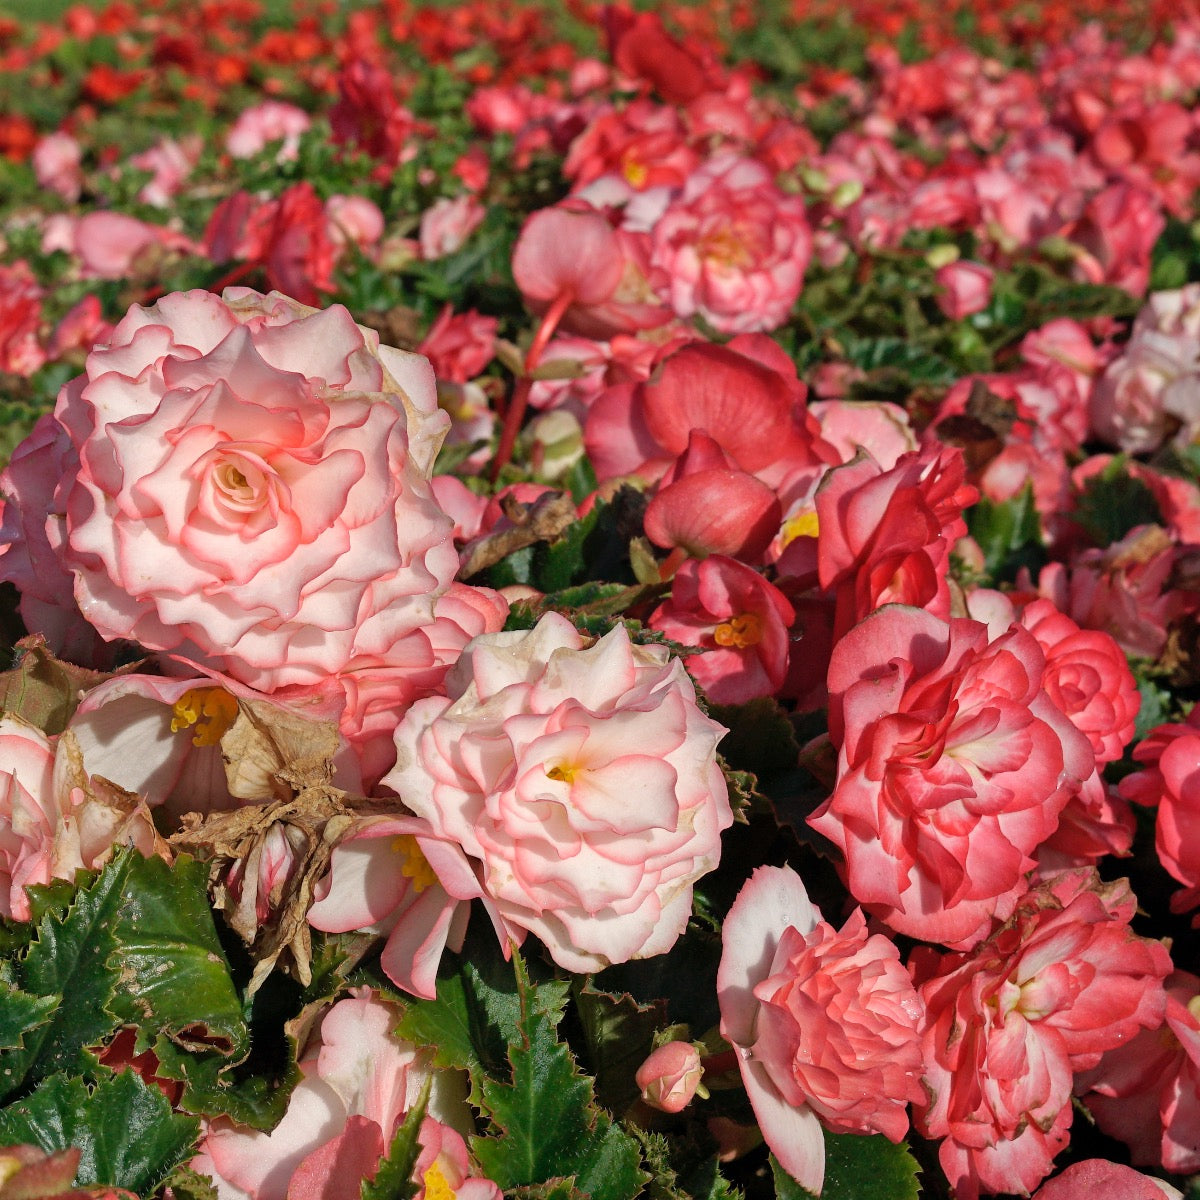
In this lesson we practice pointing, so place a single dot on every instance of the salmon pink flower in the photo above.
(253, 487)
(670, 1077)
(573, 786)
(1008, 1023)
(825, 1023)
(1097, 1177)
(28, 814)
(21, 352)
(953, 767)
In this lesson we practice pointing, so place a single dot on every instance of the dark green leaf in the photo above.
(125, 1128)
(22, 1013)
(1113, 502)
(1002, 529)
(393, 1180)
(618, 1035)
(857, 1168)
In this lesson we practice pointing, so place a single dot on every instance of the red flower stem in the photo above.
(519, 400)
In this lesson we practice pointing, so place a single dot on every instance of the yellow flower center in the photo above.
(804, 524)
(437, 1186)
(563, 773)
(636, 172)
(211, 709)
(739, 632)
(415, 865)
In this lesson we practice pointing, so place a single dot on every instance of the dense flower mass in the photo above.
(510, 512)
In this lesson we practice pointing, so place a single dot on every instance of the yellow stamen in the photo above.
(739, 632)
(415, 865)
(437, 1186)
(636, 172)
(211, 709)
(804, 524)
(563, 773)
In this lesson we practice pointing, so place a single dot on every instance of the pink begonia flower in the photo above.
(670, 1077)
(1010, 1022)
(359, 1080)
(110, 244)
(1114, 236)
(966, 289)
(21, 351)
(1146, 1093)
(269, 121)
(459, 345)
(643, 143)
(253, 487)
(733, 246)
(1177, 830)
(28, 814)
(1095, 1177)
(876, 426)
(56, 165)
(572, 785)
(707, 505)
(825, 1024)
(33, 530)
(739, 621)
(353, 220)
(443, 1168)
(885, 536)
(379, 881)
(169, 163)
(446, 225)
(80, 328)
(953, 766)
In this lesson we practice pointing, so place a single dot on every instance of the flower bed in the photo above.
(602, 604)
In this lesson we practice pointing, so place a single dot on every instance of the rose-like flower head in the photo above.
(28, 814)
(954, 765)
(825, 1023)
(253, 487)
(1063, 981)
(572, 785)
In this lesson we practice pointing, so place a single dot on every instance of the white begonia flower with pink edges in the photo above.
(572, 785)
(359, 1081)
(28, 814)
(825, 1024)
(253, 487)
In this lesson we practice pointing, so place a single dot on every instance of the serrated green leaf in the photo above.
(857, 1168)
(546, 1123)
(705, 1182)
(393, 1179)
(21, 1014)
(128, 1135)
(552, 1189)
(761, 738)
(1004, 529)
(618, 1035)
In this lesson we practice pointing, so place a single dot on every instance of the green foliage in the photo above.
(1113, 502)
(128, 1135)
(393, 1180)
(857, 1168)
(1009, 532)
(618, 1034)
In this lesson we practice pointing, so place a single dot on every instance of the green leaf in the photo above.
(618, 1035)
(22, 1013)
(1113, 502)
(761, 738)
(125, 1128)
(1003, 529)
(393, 1180)
(857, 1168)
(547, 1125)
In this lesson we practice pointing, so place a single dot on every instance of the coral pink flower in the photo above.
(953, 766)
(110, 244)
(1097, 1177)
(670, 1077)
(56, 164)
(966, 289)
(459, 345)
(269, 121)
(1147, 1091)
(446, 225)
(358, 1082)
(1114, 237)
(573, 786)
(734, 247)
(20, 314)
(80, 328)
(443, 1170)
(28, 814)
(825, 1023)
(876, 426)
(739, 621)
(1177, 832)
(1008, 1023)
(353, 220)
(253, 487)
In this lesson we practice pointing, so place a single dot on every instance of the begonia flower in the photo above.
(573, 787)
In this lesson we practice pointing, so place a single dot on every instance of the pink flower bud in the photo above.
(670, 1077)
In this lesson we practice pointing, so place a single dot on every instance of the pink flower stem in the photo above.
(515, 412)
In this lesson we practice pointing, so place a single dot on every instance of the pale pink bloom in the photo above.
(966, 288)
(462, 505)
(253, 489)
(733, 247)
(353, 221)
(1147, 1092)
(738, 620)
(32, 531)
(110, 244)
(359, 1080)
(447, 224)
(443, 1170)
(269, 121)
(1098, 1177)
(459, 345)
(670, 1077)
(825, 1024)
(170, 163)
(876, 426)
(379, 881)
(20, 316)
(29, 814)
(572, 785)
(56, 164)
(1009, 1023)
(953, 766)
(1066, 343)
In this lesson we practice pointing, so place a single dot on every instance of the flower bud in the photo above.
(670, 1077)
